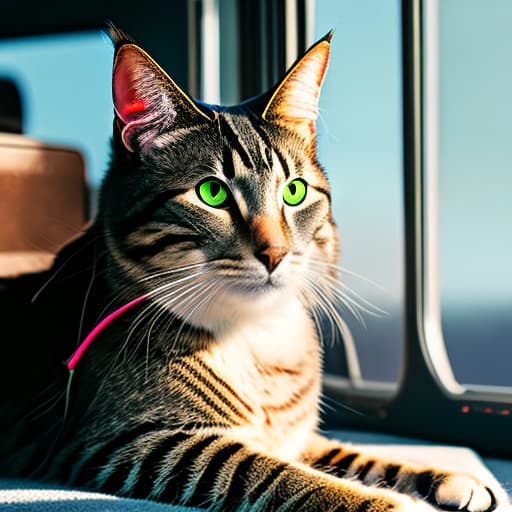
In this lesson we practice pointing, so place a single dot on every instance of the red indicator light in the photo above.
(465, 409)
(505, 412)
(488, 410)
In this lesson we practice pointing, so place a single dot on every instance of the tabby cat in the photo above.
(206, 392)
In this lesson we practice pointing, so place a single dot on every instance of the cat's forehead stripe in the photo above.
(249, 140)
(283, 162)
(260, 131)
(235, 140)
(265, 154)
(269, 156)
(228, 164)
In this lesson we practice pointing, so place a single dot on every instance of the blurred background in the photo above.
(228, 50)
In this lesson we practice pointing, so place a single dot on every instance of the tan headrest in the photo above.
(43, 202)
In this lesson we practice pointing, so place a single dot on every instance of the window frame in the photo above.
(436, 350)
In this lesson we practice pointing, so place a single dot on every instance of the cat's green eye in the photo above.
(295, 192)
(213, 192)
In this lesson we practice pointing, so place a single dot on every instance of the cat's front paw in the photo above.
(457, 492)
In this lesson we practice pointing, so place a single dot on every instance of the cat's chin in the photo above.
(253, 290)
(240, 303)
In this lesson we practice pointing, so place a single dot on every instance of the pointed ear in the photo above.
(147, 101)
(294, 102)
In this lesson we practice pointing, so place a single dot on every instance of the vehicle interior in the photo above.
(414, 132)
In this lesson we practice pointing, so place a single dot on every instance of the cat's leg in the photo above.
(444, 490)
(222, 474)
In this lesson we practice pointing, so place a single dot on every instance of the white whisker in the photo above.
(343, 293)
(163, 302)
(335, 282)
(323, 306)
(335, 319)
(344, 270)
(86, 298)
(160, 274)
(341, 299)
(201, 298)
(347, 300)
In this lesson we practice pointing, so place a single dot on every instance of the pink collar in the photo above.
(79, 352)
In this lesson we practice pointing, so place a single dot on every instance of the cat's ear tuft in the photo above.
(294, 102)
(147, 101)
(117, 35)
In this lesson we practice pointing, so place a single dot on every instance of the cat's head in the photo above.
(206, 205)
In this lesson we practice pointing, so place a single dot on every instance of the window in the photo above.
(475, 188)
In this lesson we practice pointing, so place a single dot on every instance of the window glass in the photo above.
(360, 146)
(475, 188)
(64, 81)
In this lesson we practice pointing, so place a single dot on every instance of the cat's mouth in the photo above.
(254, 281)
(266, 285)
(252, 287)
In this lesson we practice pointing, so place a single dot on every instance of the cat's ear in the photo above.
(147, 101)
(294, 101)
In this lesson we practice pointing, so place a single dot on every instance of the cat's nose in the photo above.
(270, 243)
(271, 256)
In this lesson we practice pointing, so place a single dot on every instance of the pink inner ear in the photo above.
(127, 101)
(296, 100)
(134, 108)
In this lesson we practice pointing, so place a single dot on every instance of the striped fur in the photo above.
(208, 394)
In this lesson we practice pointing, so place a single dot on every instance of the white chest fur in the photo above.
(268, 359)
(280, 334)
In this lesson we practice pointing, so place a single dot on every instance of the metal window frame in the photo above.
(429, 402)
(272, 33)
